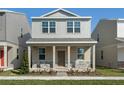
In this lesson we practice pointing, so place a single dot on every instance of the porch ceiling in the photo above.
(61, 41)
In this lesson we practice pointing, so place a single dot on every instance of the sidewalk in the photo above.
(58, 78)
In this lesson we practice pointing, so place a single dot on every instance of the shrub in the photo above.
(24, 64)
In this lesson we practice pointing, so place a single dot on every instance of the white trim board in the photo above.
(60, 9)
(65, 42)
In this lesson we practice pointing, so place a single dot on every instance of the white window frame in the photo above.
(73, 26)
(80, 53)
(48, 27)
(42, 53)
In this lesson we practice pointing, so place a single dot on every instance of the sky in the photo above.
(96, 13)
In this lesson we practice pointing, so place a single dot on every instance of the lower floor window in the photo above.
(101, 54)
(41, 53)
(17, 54)
(80, 54)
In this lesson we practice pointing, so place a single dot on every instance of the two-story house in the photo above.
(110, 47)
(14, 32)
(61, 38)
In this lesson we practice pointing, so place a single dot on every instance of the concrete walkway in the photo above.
(59, 78)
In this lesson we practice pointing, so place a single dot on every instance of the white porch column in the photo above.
(54, 56)
(29, 56)
(5, 56)
(93, 57)
(69, 56)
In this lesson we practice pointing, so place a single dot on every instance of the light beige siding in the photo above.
(107, 32)
(61, 30)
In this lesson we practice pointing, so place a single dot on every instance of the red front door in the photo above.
(1, 57)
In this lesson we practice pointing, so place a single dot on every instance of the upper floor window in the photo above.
(45, 27)
(80, 53)
(97, 37)
(52, 27)
(77, 26)
(73, 26)
(21, 31)
(48, 27)
(70, 26)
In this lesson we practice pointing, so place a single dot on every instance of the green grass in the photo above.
(103, 71)
(61, 82)
(8, 73)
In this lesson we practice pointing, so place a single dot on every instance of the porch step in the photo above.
(61, 73)
(63, 69)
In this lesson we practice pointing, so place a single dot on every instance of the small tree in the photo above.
(24, 64)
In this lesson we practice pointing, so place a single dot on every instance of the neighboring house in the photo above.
(61, 39)
(14, 32)
(110, 47)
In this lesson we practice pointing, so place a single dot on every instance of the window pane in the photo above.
(80, 56)
(52, 27)
(52, 30)
(102, 55)
(41, 53)
(77, 29)
(41, 57)
(41, 50)
(77, 26)
(70, 30)
(80, 51)
(45, 27)
(52, 24)
(45, 24)
(97, 37)
(70, 24)
(45, 30)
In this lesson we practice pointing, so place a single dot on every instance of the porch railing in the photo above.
(40, 63)
(82, 63)
(78, 64)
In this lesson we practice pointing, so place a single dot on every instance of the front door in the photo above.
(61, 58)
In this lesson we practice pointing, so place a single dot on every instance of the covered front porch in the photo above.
(61, 56)
(4, 52)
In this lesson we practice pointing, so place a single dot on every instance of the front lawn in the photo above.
(103, 71)
(8, 73)
(61, 82)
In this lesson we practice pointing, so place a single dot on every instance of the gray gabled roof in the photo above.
(9, 11)
(60, 9)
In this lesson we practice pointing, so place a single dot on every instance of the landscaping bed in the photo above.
(100, 71)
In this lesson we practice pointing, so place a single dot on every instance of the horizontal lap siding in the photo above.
(2, 27)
